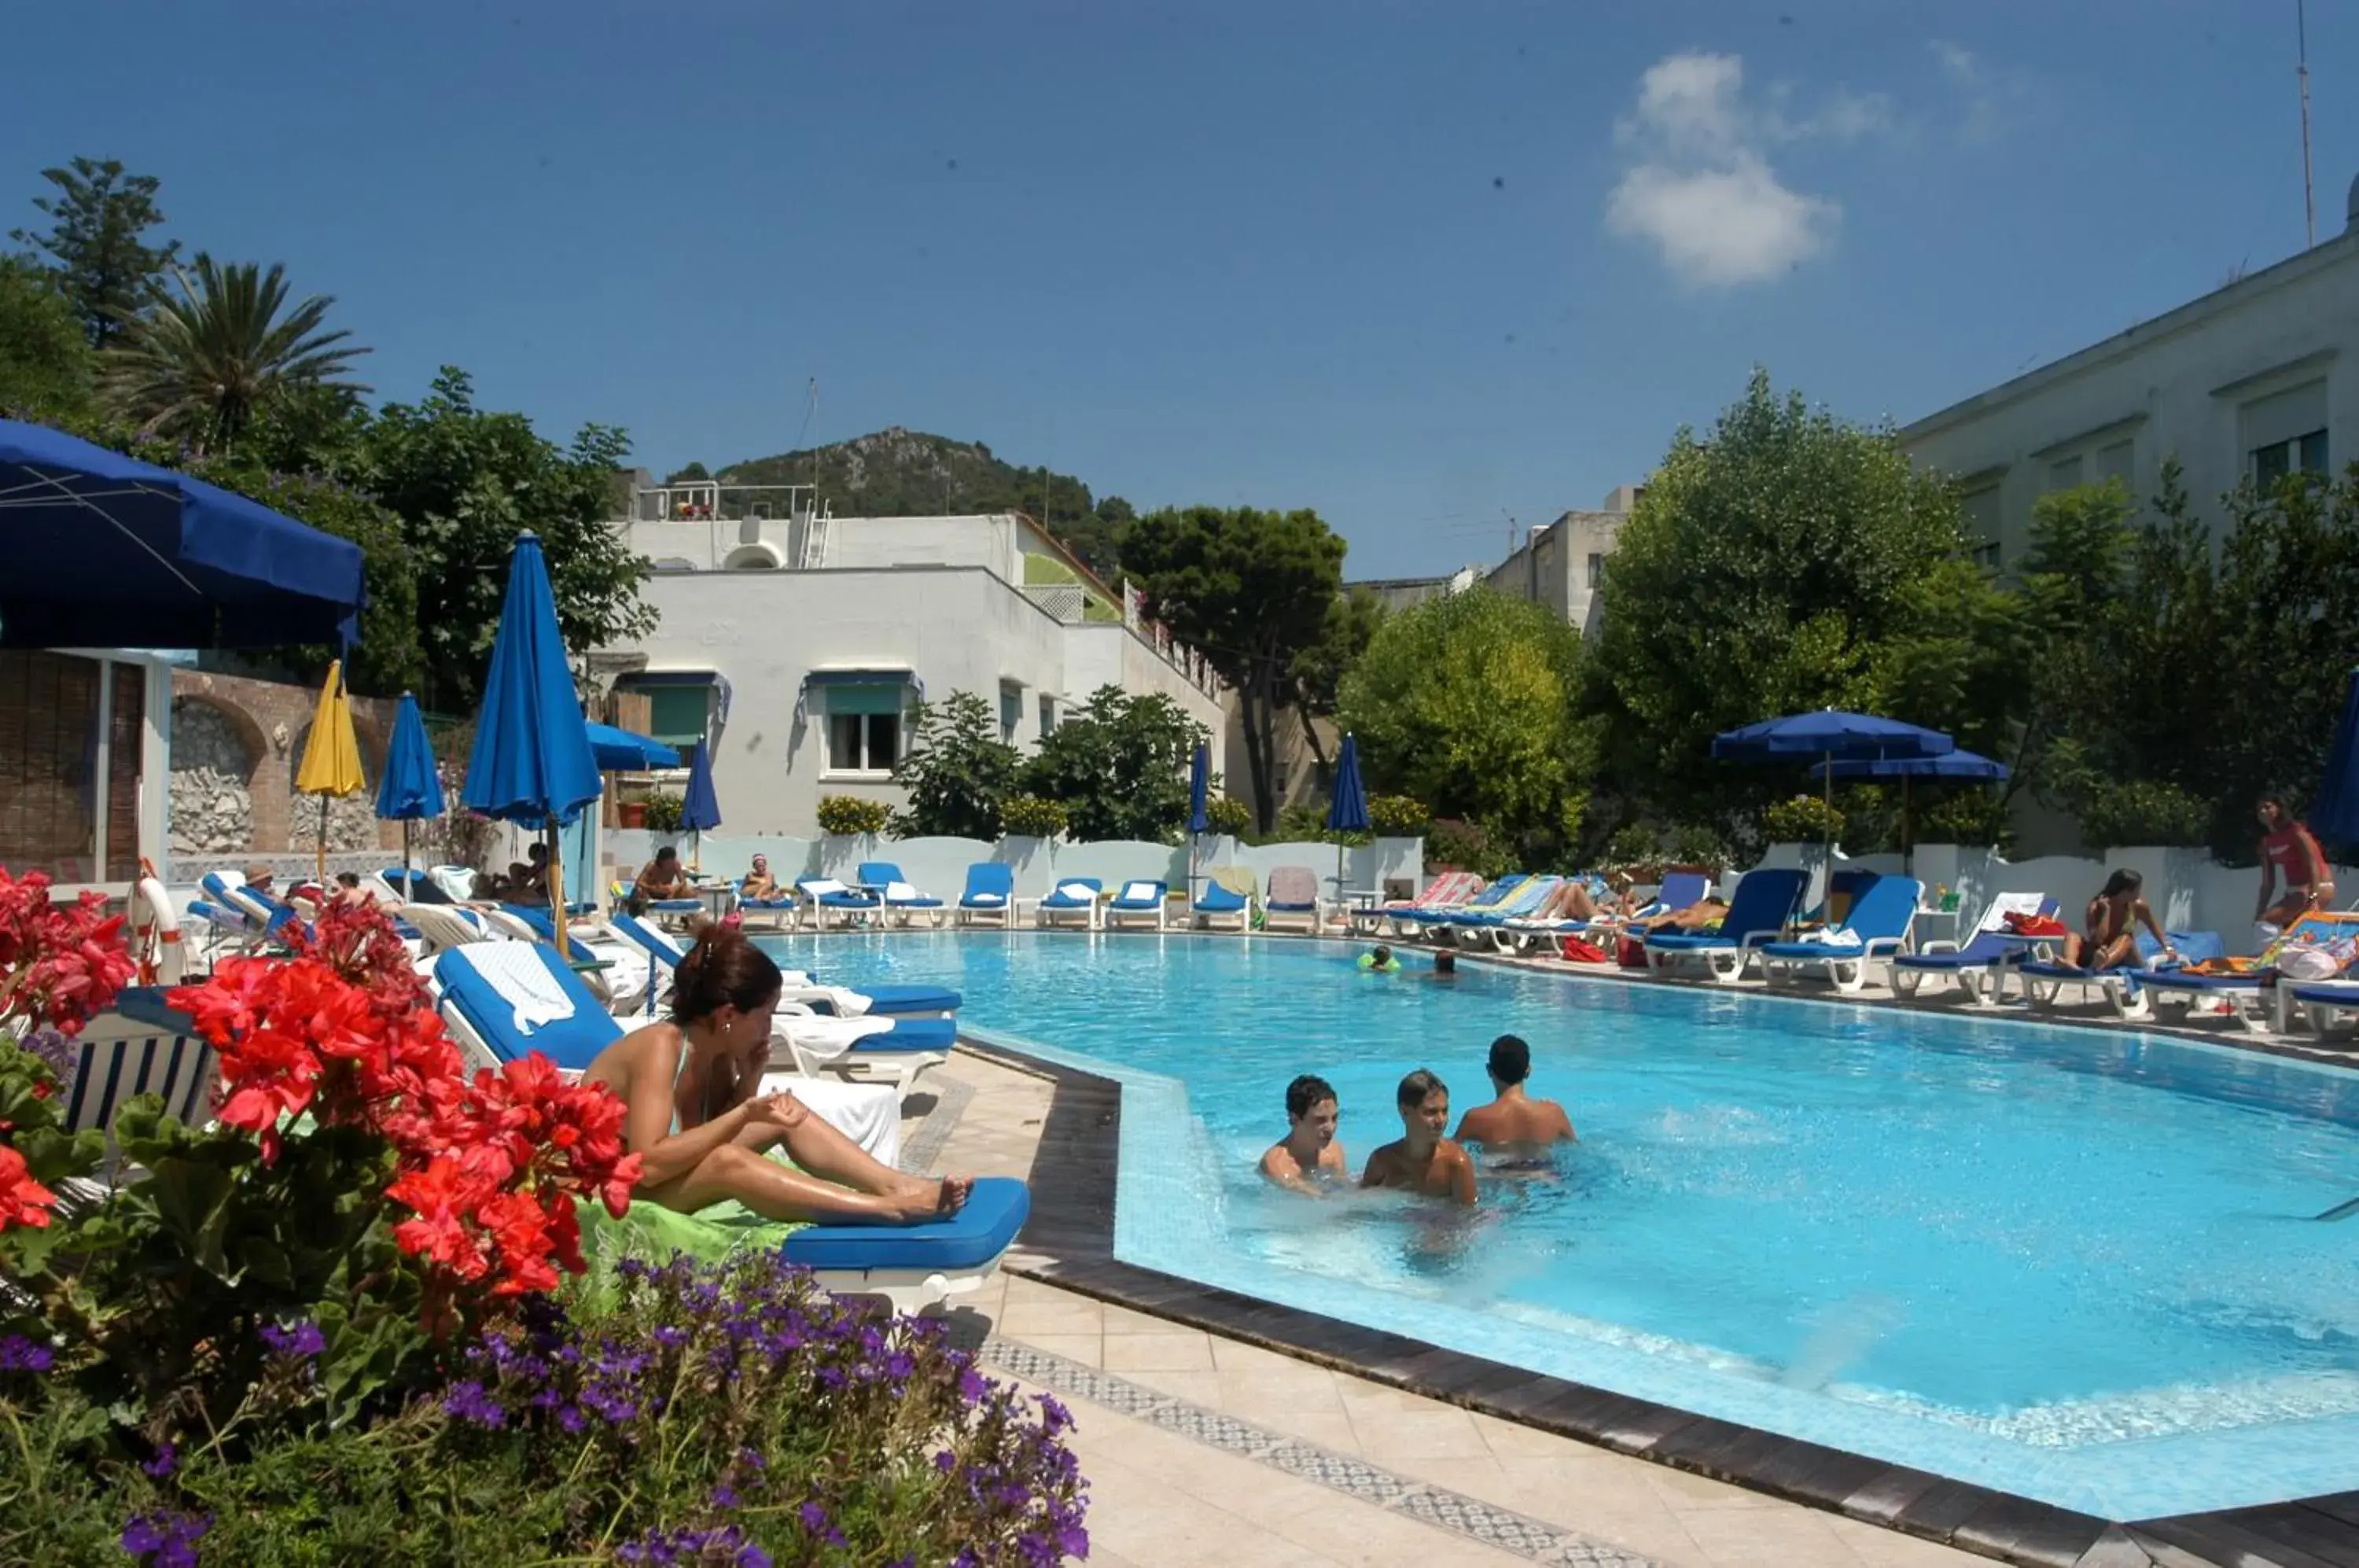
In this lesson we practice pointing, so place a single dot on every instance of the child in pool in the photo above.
(1308, 1158)
(1380, 961)
(1423, 1161)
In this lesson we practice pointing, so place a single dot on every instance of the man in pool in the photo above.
(1445, 966)
(1308, 1160)
(1513, 1124)
(1423, 1161)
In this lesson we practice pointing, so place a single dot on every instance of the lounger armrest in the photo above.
(1883, 945)
(1756, 938)
(1941, 944)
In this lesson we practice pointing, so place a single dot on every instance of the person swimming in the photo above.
(1445, 966)
(1380, 960)
(689, 1084)
(1423, 1160)
(1308, 1158)
(1515, 1130)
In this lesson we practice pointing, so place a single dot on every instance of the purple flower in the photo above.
(467, 1402)
(19, 1354)
(55, 1051)
(299, 1343)
(973, 1385)
(724, 1496)
(671, 1338)
(166, 1539)
(816, 1525)
(1054, 1417)
(167, 1460)
(570, 1419)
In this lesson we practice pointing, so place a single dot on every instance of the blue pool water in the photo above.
(2068, 1264)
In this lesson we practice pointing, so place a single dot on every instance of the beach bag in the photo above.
(1630, 952)
(2034, 925)
(1580, 950)
(2307, 964)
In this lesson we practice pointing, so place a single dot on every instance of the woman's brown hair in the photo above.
(723, 969)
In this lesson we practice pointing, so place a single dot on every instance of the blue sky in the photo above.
(1422, 269)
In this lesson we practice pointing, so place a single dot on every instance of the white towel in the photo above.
(1843, 937)
(804, 990)
(796, 979)
(980, 899)
(2004, 904)
(513, 969)
(1075, 892)
(898, 892)
(867, 1114)
(1137, 892)
(824, 1037)
(819, 886)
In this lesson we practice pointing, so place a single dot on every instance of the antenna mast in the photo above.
(2302, 74)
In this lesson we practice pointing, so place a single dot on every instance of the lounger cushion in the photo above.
(1814, 950)
(573, 1042)
(909, 999)
(912, 1034)
(969, 1239)
(1951, 962)
(2173, 980)
(983, 901)
(1684, 941)
(1074, 893)
(1220, 900)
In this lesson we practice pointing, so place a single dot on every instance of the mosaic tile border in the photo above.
(1069, 1242)
(1534, 1539)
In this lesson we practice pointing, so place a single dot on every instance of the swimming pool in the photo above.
(2069, 1264)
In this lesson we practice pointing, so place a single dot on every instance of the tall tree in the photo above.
(1469, 703)
(46, 368)
(465, 482)
(1251, 590)
(201, 365)
(1318, 669)
(1120, 766)
(103, 266)
(1758, 575)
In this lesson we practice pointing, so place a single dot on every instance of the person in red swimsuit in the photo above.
(2295, 878)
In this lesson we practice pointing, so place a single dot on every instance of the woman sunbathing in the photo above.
(1694, 918)
(703, 1132)
(2110, 939)
(758, 883)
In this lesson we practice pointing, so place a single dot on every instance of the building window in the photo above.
(49, 775)
(1011, 711)
(2115, 462)
(677, 714)
(1596, 573)
(1048, 716)
(1980, 508)
(1986, 555)
(2064, 475)
(2303, 454)
(863, 727)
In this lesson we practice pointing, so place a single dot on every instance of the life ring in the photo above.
(155, 931)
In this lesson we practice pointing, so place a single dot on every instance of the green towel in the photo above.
(711, 1234)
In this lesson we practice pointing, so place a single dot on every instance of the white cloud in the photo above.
(1989, 100)
(1700, 188)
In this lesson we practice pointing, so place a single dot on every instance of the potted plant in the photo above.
(662, 812)
(631, 814)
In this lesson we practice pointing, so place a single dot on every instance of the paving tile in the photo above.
(1880, 1548)
(1072, 1316)
(1681, 1490)
(1084, 1348)
(1157, 1353)
(1740, 1538)
(1419, 1434)
(1197, 1388)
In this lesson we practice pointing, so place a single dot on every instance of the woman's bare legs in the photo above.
(778, 1192)
(820, 1148)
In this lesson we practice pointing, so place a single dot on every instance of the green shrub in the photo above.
(665, 810)
(1692, 845)
(1398, 816)
(851, 815)
(958, 770)
(1032, 816)
(1634, 843)
(1803, 819)
(2144, 813)
(1228, 815)
(1976, 817)
(1465, 845)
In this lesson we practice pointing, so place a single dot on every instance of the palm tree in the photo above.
(198, 365)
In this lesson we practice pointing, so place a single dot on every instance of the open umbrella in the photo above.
(1830, 735)
(1956, 766)
(90, 539)
(411, 790)
(1200, 783)
(623, 751)
(331, 757)
(700, 809)
(2334, 815)
(532, 763)
(1347, 811)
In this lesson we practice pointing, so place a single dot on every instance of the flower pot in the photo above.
(631, 814)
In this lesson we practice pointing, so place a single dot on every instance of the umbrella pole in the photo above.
(405, 859)
(324, 845)
(557, 891)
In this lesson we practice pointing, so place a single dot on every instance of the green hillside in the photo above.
(903, 473)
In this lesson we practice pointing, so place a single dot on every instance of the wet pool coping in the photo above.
(1069, 1241)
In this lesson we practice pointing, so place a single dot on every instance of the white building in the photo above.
(1561, 564)
(2248, 381)
(795, 642)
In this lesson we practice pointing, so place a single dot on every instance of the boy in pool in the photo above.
(1423, 1161)
(1379, 959)
(1308, 1158)
(1513, 1124)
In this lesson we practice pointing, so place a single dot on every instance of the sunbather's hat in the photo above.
(257, 872)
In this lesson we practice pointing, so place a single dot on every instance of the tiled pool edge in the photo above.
(1069, 1241)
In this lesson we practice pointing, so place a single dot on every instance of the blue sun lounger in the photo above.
(1435, 924)
(1979, 966)
(825, 895)
(894, 1001)
(1142, 900)
(1218, 903)
(1472, 928)
(1757, 913)
(902, 901)
(1073, 897)
(2126, 990)
(989, 896)
(1876, 925)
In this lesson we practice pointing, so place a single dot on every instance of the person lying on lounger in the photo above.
(1694, 918)
(2108, 938)
(759, 884)
(1423, 1160)
(702, 1130)
(1308, 1159)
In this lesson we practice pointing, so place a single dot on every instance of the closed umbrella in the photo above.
(331, 755)
(1347, 811)
(2334, 815)
(531, 763)
(700, 809)
(1200, 782)
(411, 790)
(90, 539)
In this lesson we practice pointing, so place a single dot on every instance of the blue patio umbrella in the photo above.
(532, 763)
(1200, 782)
(90, 539)
(1957, 767)
(2334, 814)
(1831, 735)
(1347, 811)
(623, 751)
(701, 809)
(412, 789)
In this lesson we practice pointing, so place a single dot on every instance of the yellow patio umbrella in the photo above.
(331, 757)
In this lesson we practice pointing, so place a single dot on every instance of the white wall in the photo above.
(939, 865)
(2188, 384)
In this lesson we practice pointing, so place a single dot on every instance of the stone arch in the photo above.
(760, 556)
(352, 821)
(217, 754)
